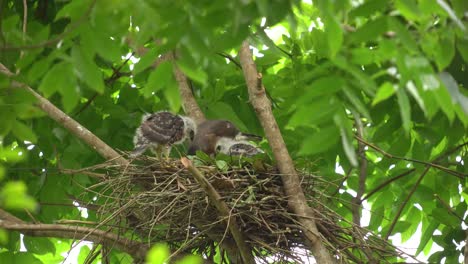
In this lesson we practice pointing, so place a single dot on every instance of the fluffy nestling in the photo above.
(160, 130)
(234, 147)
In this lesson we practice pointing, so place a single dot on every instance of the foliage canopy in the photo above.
(380, 83)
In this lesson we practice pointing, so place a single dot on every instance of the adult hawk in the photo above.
(210, 131)
(160, 130)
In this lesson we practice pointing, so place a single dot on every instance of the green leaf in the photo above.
(334, 34)
(158, 79)
(84, 252)
(10, 154)
(172, 95)
(356, 102)
(462, 46)
(320, 141)
(323, 110)
(87, 70)
(445, 50)
(427, 233)
(3, 237)
(18, 258)
(106, 47)
(38, 69)
(405, 109)
(385, 91)
(404, 35)
(222, 165)
(190, 259)
(23, 132)
(56, 78)
(8, 119)
(73, 10)
(158, 254)
(370, 31)
(408, 8)
(192, 71)
(444, 100)
(413, 217)
(2, 176)
(451, 85)
(415, 92)
(146, 60)
(346, 133)
(39, 245)
(401, 227)
(444, 217)
(221, 110)
(14, 195)
(376, 217)
(368, 8)
(322, 87)
(364, 81)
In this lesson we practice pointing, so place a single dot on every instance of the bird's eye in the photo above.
(192, 134)
(218, 148)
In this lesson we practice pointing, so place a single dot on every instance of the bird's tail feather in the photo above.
(246, 136)
(138, 151)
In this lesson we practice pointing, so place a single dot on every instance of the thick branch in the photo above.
(69, 123)
(191, 107)
(134, 248)
(296, 198)
(216, 199)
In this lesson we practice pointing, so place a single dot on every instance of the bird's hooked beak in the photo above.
(246, 136)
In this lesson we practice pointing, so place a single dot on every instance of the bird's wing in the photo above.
(163, 128)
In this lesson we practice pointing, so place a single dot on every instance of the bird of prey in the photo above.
(160, 130)
(210, 131)
(234, 147)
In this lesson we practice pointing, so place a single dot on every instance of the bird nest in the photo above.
(162, 201)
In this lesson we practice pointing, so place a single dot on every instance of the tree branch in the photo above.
(450, 209)
(136, 249)
(191, 107)
(356, 211)
(189, 102)
(296, 199)
(69, 123)
(357, 201)
(388, 155)
(402, 206)
(385, 183)
(216, 199)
